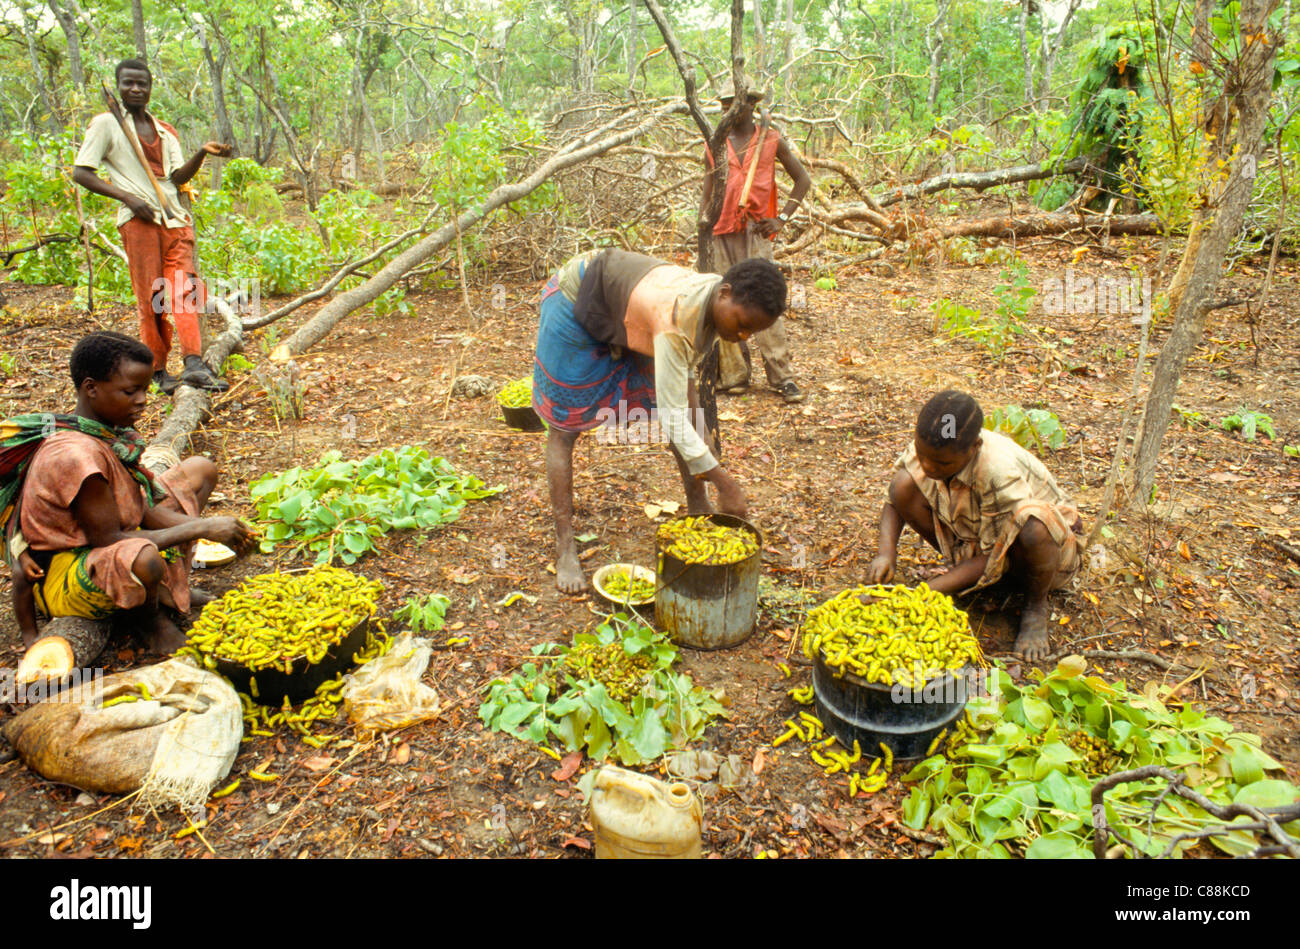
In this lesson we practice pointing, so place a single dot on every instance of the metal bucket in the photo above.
(708, 606)
(850, 708)
(274, 685)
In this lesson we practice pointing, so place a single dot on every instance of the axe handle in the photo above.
(753, 166)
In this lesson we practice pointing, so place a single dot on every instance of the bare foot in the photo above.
(164, 636)
(200, 598)
(1031, 644)
(29, 638)
(568, 573)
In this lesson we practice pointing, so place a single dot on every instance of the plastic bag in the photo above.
(386, 693)
(175, 745)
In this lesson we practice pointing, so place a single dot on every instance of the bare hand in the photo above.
(881, 569)
(141, 208)
(31, 569)
(769, 227)
(233, 532)
(219, 149)
(731, 499)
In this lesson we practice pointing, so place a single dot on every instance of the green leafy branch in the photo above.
(665, 710)
(1032, 428)
(1020, 779)
(339, 507)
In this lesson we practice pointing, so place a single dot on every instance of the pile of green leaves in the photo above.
(1029, 428)
(544, 701)
(423, 614)
(1015, 786)
(338, 508)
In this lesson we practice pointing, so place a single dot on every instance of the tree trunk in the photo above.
(979, 180)
(716, 137)
(69, 27)
(216, 74)
(1249, 85)
(1024, 55)
(633, 41)
(787, 51)
(29, 25)
(137, 26)
(78, 642)
(760, 40)
(1050, 50)
(1034, 225)
(934, 39)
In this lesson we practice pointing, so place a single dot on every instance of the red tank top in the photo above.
(762, 193)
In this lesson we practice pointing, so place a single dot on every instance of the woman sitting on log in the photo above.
(89, 530)
(622, 334)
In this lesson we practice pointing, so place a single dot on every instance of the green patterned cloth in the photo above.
(22, 435)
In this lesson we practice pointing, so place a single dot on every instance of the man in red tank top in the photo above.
(748, 231)
(159, 247)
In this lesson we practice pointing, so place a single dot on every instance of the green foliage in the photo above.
(1105, 108)
(393, 301)
(1248, 422)
(825, 283)
(421, 614)
(37, 199)
(957, 319)
(1020, 781)
(338, 508)
(236, 364)
(8, 364)
(666, 710)
(1032, 428)
(470, 160)
(1015, 298)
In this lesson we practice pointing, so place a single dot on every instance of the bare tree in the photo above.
(216, 75)
(716, 137)
(29, 27)
(1247, 89)
(1051, 45)
(934, 40)
(137, 27)
(68, 24)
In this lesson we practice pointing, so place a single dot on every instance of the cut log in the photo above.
(193, 406)
(979, 180)
(66, 643)
(1036, 225)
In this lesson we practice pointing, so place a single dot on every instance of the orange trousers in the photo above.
(161, 262)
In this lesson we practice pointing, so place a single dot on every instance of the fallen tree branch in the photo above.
(1267, 820)
(1036, 225)
(193, 406)
(1136, 655)
(327, 287)
(1285, 549)
(980, 180)
(847, 174)
(41, 241)
(315, 329)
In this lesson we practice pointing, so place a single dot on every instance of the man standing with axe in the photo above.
(747, 227)
(145, 167)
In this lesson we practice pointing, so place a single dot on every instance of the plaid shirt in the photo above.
(982, 508)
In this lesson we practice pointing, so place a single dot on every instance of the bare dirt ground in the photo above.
(1201, 585)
